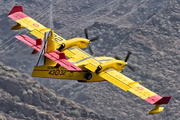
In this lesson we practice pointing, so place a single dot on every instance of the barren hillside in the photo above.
(22, 98)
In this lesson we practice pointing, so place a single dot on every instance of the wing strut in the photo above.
(43, 47)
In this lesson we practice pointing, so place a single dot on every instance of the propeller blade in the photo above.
(94, 39)
(131, 68)
(86, 33)
(91, 40)
(128, 55)
(116, 57)
(126, 59)
(90, 50)
(87, 37)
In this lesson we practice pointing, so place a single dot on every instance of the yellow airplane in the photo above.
(65, 59)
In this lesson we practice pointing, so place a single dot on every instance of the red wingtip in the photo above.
(164, 100)
(16, 9)
(156, 99)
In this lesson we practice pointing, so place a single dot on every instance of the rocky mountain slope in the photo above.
(22, 98)
(150, 29)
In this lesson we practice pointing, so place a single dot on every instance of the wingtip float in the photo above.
(158, 103)
(80, 65)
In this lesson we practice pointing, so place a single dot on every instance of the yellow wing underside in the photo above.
(126, 83)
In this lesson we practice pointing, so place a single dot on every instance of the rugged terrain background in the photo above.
(22, 98)
(150, 29)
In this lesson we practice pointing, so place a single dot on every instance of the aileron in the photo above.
(127, 84)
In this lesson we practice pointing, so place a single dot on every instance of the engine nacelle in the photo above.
(115, 64)
(75, 42)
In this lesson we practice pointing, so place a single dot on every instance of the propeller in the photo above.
(126, 59)
(127, 56)
(90, 40)
(43, 46)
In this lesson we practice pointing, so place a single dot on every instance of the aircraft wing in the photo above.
(39, 30)
(58, 57)
(127, 84)
(35, 28)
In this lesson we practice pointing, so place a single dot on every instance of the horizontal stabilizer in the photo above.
(16, 9)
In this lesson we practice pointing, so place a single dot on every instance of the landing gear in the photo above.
(88, 75)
